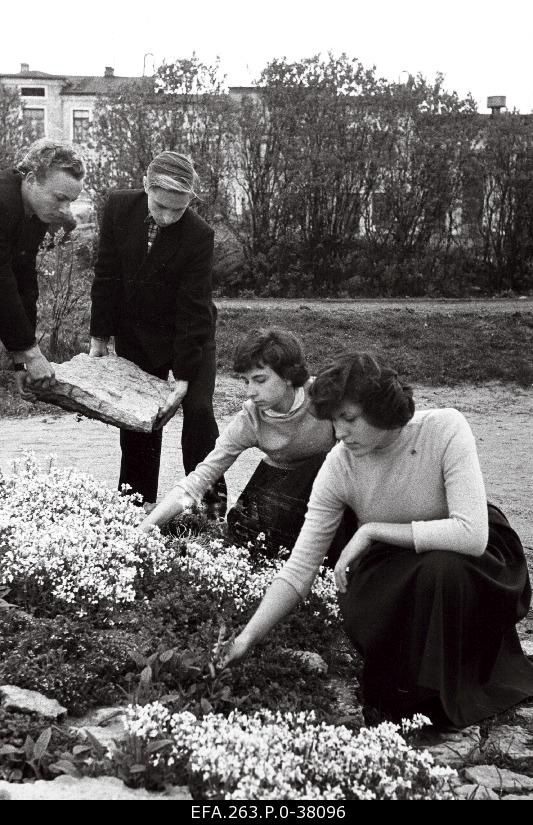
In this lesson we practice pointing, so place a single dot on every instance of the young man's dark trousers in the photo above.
(141, 452)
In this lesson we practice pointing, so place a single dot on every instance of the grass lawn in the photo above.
(434, 347)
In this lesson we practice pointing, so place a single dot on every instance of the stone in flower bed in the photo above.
(112, 389)
(30, 701)
(499, 779)
(513, 743)
(456, 748)
(101, 788)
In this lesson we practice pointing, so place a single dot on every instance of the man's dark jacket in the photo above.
(158, 305)
(20, 238)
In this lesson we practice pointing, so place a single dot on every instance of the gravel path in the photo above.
(501, 417)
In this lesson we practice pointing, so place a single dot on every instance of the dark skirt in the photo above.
(437, 630)
(274, 502)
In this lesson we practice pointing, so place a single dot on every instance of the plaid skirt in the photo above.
(437, 630)
(274, 502)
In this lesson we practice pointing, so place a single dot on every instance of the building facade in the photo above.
(61, 106)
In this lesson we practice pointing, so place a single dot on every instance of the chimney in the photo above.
(109, 71)
(496, 103)
(24, 67)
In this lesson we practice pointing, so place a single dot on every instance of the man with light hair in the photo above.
(35, 195)
(152, 291)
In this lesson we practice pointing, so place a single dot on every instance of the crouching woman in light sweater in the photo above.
(276, 418)
(434, 580)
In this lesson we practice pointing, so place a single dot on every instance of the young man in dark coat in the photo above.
(153, 292)
(33, 196)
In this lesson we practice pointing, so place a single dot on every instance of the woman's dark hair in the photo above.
(275, 348)
(357, 377)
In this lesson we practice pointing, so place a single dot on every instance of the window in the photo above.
(34, 122)
(33, 91)
(80, 125)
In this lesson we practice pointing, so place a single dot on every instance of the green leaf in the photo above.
(7, 750)
(78, 750)
(146, 676)
(170, 697)
(137, 657)
(206, 706)
(63, 766)
(41, 746)
(158, 745)
(29, 745)
(166, 656)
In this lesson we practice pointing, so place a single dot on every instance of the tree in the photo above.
(182, 108)
(12, 133)
(303, 161)
(504, 163)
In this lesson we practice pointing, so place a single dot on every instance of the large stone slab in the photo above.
(525, 716)
(473, 792)
(515, 743)
(499, 779)
(111, 389)
(30, 701)
(103, 787)
(454, 749)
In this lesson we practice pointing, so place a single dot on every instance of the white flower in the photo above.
(270, 755)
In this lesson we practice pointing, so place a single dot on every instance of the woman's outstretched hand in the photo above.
(233, 651)
(349, 556)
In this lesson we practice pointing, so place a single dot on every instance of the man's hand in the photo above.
(99, 348)
(39, 372)
(20, 384)
(353, 551)
(171, 405)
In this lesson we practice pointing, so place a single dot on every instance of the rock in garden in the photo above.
(112, 389)
(102, 717)
(103, 787)
(29, 701)
(514, 743)
(311, 662)
(525, 716)
(107, 736)
(453, 749)
(499, 779)
(473, 792)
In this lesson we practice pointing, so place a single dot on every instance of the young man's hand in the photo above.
(20, 384)
(39, 372)
(171, 405)
(99, 348)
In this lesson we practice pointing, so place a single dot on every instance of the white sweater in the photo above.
(429, 477)
(286, 439)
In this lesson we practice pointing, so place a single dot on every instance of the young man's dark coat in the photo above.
(20, 238)
(159, 307)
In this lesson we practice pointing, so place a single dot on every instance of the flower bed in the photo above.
(269, 755)
(99, 611)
